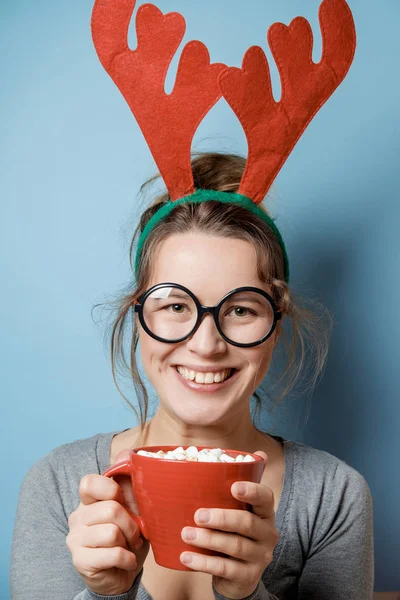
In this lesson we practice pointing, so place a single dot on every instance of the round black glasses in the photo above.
(170, 313)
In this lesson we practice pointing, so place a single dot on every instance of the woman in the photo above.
(210, 297)
(309, 534)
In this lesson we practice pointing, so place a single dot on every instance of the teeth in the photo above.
(200, 377)
(188, 374)
(204, 377)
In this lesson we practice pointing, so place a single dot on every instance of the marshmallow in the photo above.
(192, 454)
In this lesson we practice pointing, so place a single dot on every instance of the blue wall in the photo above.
(72, 160)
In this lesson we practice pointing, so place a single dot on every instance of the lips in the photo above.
(206, 388)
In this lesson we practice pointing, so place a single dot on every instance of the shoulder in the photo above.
(87, 454)
(318, 467)
(328, 489)
(59, 472)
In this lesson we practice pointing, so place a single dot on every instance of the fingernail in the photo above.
(203, 516)
(186, 558)
(189, 534)
(240, 488)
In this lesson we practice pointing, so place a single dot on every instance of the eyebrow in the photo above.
(183, 296)
(248, 299)
(178, 295)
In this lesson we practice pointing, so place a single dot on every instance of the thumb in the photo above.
(263, 456)
(123, 455)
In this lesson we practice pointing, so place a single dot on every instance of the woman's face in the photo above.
(210, 267)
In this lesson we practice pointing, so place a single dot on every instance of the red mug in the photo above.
(168, 493)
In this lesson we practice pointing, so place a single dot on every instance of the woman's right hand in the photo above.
(103, 535)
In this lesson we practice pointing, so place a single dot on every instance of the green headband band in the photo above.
(201, 196)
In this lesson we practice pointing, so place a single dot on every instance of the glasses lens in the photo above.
(246, 317)
(169, 313)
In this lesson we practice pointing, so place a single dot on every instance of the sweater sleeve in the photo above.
(340, 560)
(132, 594)
(41, 564)
(260, 593)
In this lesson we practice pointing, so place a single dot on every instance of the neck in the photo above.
(164, 430)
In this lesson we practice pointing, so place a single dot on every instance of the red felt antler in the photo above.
(168, 121)
(273, 128)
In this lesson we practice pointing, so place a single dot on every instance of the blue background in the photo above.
(72, 161)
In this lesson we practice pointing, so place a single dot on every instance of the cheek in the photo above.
(154, 355)
(262, 360)
(150, 350)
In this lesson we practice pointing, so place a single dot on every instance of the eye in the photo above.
(242, 311)
(175, 308)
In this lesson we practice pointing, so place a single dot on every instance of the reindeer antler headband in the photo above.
(169, 121)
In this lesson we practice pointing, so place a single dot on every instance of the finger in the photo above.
(96, 487)
(106, 535)
(111, 512)
(260, 496)
(236, 546)
(263, 456)
(93, 560)
(227, 568)
(241, 522)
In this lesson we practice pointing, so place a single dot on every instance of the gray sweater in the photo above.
(324, 518)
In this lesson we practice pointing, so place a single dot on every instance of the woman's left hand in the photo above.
(248, 538)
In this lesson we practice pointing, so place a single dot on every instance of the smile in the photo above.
(205, 378)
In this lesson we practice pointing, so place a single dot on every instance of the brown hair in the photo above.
(309, 332)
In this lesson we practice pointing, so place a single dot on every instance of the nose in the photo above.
(206, 340)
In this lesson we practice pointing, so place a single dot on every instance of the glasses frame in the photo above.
(202, 310)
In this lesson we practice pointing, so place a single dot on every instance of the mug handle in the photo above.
(124, 468)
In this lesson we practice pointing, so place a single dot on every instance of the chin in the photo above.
(199, 416)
